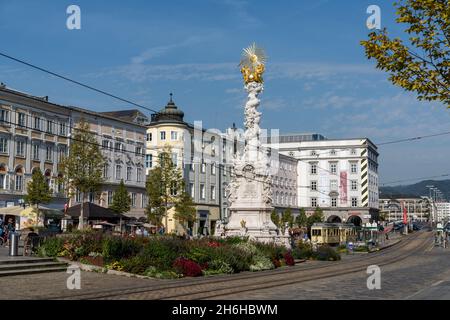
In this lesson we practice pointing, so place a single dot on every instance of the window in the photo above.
(333, 185)
(213, 193)
(138, 150)
(353, 168)
(4, 115)
(144, 201)
(3, 145)
(35, 151)
(91, 197)
(62, 152)
(174, 159)
(313, 185)
(62, 129)
(78, 196)
(49, 126)
(138, 175)
(20, 148)
(129, 173)
(148, 160)
(313, 168)
(202, 192)
(149, 136)
(2, 181)
(354, 185)
(333, 168)
(334, 202)
(133, 199)
(354, 202)
(118, 171)
(203, 167)
(173, 188)
(163, 135)
(110, 197)
(19, 183)
(105, 144)
(105, 171)
(192, 190)
(174, 135)
(49, 153)
(37, 123)
(313, 202)
(213, 168)
(21, 119)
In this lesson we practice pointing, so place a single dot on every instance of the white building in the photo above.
(443, 211)
(339, 176)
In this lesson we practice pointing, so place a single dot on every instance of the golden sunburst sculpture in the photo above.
(253, 64)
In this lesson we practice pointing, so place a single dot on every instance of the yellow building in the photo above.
(205, 179)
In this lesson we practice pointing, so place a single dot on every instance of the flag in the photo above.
(405, 215)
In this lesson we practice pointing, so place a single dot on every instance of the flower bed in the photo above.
(166, 256)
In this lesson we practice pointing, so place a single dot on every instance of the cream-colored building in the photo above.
(205, 179)
(35, 133)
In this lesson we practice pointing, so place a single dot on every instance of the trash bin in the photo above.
(14, 244)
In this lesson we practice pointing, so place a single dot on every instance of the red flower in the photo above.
(289, 259)
(213, 244)
(187, 267)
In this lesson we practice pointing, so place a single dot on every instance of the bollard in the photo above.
(14, 244)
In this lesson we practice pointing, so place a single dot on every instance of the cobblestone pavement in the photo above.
(423, 275)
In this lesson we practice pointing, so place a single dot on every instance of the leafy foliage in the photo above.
(38, 191)
(422, 65)
(301, 220)
(121, 201)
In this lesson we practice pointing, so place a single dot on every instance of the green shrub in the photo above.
(260, 263)
(303, 250)
(218, 267)
(162, 253)
(326, 253)
(137, 264)
(116, 248)
(155, 273)
(51, 247)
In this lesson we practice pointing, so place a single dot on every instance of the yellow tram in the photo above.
(333, 233)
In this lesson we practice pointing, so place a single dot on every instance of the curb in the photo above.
(385, 247)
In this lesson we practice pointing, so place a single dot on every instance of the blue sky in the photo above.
(317, 79)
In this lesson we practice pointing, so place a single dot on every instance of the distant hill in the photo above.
(416, 190)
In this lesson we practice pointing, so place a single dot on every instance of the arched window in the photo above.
(19, 178)
(3, 178)
(48, 176)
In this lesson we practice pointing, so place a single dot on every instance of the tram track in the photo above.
(218, 286)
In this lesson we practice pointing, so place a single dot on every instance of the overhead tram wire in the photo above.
(157, 112)
(69, 137)
(56, 123)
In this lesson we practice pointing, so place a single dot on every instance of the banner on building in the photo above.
(343, 187)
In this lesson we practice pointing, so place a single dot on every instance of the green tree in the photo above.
(287, 218)
(275, 217)
(165, 185)
(185, 211)
(121, 201)
(422, 65)
(38, 191)
(82, 168)
(317, 216)
(301, 219)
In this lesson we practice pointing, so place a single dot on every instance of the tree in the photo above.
(317, 216)
(155, 209)
(121, 201)
(185, 211)
(83, 167)
(422, 65)
(287, 218)
(164, 186)
(38, 191)
(275, 218)
(301, 219)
